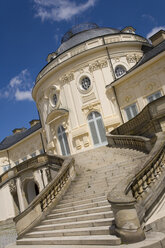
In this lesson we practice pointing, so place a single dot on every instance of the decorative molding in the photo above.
(12, 186)
(127, 98)
(99, 64)
(78, 50)
(89, 97)
(149, 87)
(95, 106)
(133, 58)
(66, 78)
(116, 59)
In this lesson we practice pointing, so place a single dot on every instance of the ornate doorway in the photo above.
(63, 141)
(97, 129)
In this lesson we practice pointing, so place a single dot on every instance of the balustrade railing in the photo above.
(134, 199)
(149, 174)
(133, 142)
(47, 198)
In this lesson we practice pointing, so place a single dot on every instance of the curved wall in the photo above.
(62, 99)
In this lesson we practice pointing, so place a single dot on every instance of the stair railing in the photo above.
(139, 143)
(136, 196)
(47, 198)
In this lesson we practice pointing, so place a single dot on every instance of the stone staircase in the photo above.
(83, 216)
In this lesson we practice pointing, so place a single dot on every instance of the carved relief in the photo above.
(12, 186)
(95, 106)
(127, 99)
(133, 58)
(78, 50)
(48, 174)
(66, 78)
(116, 59)
(149, 87)
(111, 40)
(81, 140)
(99, 64)
(87, 98)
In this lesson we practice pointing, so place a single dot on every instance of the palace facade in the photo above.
(96, 80)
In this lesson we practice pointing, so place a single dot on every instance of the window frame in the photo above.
(122, 66)
(153, 95)
(129, 107)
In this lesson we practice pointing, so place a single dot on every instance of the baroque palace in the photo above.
(102, 88)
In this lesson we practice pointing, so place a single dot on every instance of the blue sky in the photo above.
(31, 29)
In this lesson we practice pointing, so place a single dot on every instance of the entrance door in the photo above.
(63, 141)
(97, 129)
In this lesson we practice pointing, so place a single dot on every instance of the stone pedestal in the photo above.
(127, 225)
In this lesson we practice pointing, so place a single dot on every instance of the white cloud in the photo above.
(19, 87)
(150, 18)
(155, 30)
(59, 10)
(23, 95)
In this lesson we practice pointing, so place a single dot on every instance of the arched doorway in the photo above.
(32, 191)
(63, 141)
(97, 129)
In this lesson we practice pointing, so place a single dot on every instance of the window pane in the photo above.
(134, 110)
(66, 144)
(154, 96)
(157, 95)
(131, 111)
(101, 130)
(94, 133)
(128, 112)
(97, 114)
(61, 144)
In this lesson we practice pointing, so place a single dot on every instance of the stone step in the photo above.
(64, 204)
(91, 193)
(83, 206)
(79, 212)
(78, 224)
(101, 178)
(73, 240)
(86, 192)
(68, 199)
(85, 217)
(101, 230)
(90, 183)
(107, 169)
(90, 186)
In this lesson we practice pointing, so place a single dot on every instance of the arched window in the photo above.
(120, 70)
(97, 129)
(63, 141)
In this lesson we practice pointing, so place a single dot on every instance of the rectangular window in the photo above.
(6, 167)
(33, 155)
(24, 159)
(41, 151)
(16, 162)
(131, 111)
(154, 96)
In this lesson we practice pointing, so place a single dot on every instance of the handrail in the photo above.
(137, 193)
(40, 160)
(139, 143)
(46, 199)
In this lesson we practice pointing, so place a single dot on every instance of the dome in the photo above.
(81, 33)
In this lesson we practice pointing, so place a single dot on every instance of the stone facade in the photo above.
(82, 93)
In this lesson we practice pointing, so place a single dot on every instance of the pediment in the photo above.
(56, 114)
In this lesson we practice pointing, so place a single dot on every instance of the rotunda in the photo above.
(75, 108)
